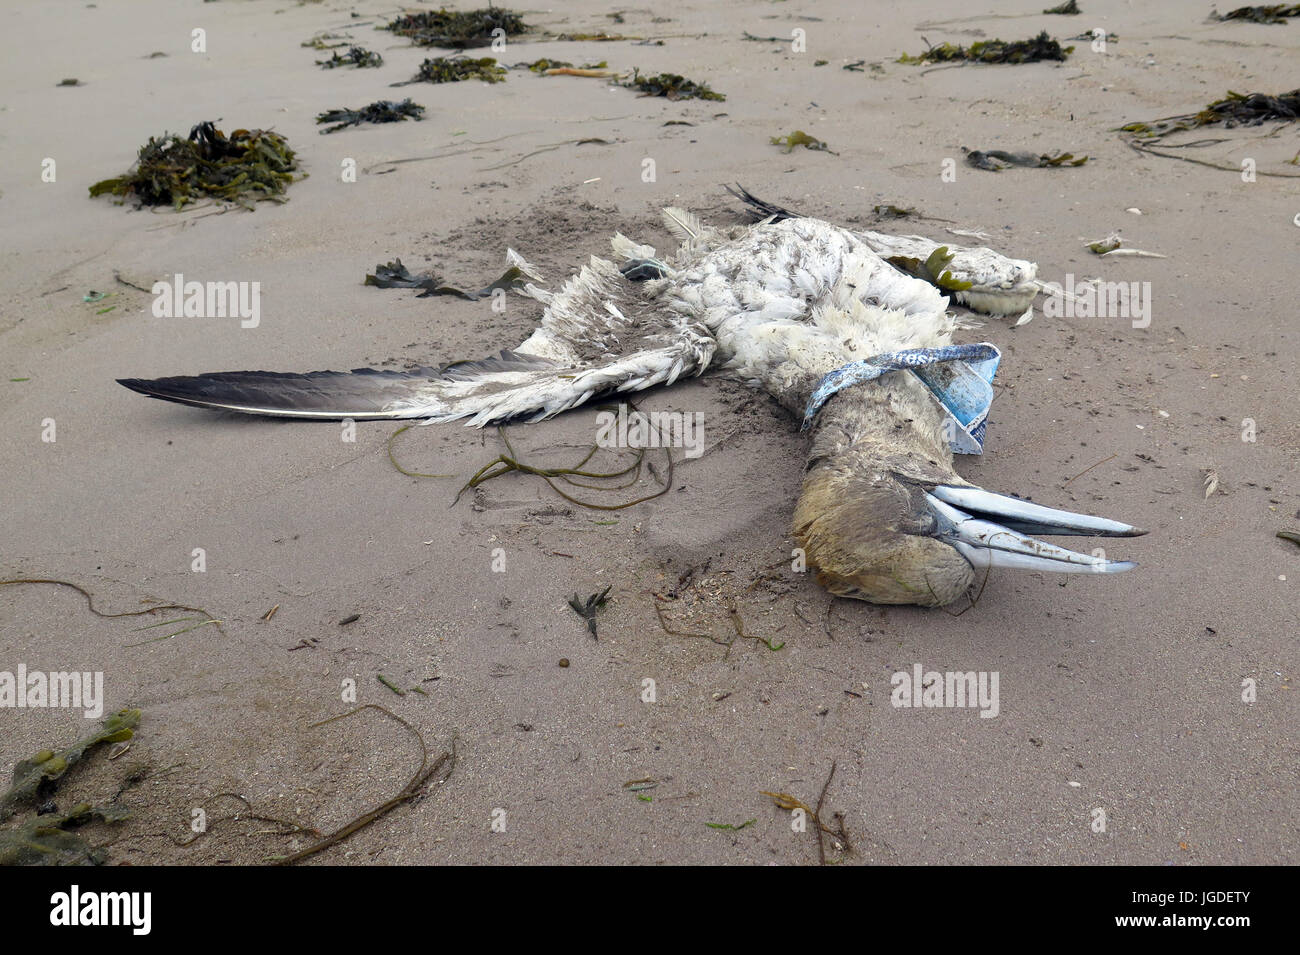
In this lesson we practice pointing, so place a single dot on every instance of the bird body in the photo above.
(780, 305)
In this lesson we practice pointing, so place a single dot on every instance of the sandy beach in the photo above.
(1164, 697)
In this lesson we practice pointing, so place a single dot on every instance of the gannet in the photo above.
(793, 306)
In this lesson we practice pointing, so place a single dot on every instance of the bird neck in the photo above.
(893, 422)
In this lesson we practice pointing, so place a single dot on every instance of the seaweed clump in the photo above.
(1269, 13)
(672, 86)
(1235, 109)
(395, 275)
(458, 29)
(357, 56)
(454, 69)
(1041, 47)
(383, 111)
(1069, 8)
(800, 138)
(43, 840)
(255, 164)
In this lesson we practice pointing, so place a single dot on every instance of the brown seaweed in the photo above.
(1235, 109)
(396, 275)
(1041, 47)
(458, 29)
(456, 69)
(256, 164)
(1268, 13)
(671, 85)
(383, 111)
(357, 56)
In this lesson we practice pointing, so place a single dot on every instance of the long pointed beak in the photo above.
(962, 511)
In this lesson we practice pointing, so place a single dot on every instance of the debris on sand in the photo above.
(1041, 47)
(383, 111)
(1270, 13)
(995, 160)
(47, 839)
(672, 86)
(455, 69)
(800, 138)
(1113, 245)
(38, 776)
(395, 275)
(542, 65)
(256, 164)
(586, 609)
(357, 56)
(1235, 109)
(1069, 8)
(458, 29)
(431, 773)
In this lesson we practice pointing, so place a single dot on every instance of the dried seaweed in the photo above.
(1069, 8)
(256, 164)
(383, 111)
(1041, 47)
(395, 275)
(1235, 109)
(455, 69)
(672, 86)
(995, 160)
(429, 773)
(800, 138)
(508, 462)
(357, 56)
(458, 29)
(1269, 13)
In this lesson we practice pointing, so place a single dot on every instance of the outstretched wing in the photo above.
(599, 335)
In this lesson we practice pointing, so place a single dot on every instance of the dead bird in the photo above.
(808, 312)
(979, 278)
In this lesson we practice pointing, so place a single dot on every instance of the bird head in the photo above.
(884, 517)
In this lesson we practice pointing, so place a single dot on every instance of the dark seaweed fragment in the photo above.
(458, 29)
(1235, 109)
(671, 85)
(1268, 13)
(1041, 47)
(455, 69)
(357, 56)
(383, 111)
(395, 275)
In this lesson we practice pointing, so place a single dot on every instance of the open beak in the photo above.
(993, 530)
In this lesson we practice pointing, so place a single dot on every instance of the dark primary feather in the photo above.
(762, 209)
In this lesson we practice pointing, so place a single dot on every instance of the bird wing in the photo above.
(599, 334)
